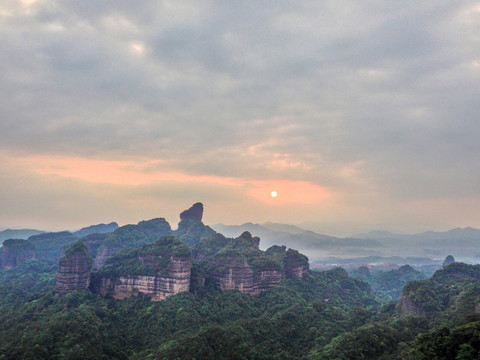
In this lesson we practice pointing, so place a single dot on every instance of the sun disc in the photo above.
(273, 193)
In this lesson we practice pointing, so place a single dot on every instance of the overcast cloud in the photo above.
(377, 102)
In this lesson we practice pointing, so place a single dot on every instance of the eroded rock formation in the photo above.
(194, 213)
(408, 306)
(74, 269)
(242, 266)
(134, 236)
(448, 260)
(157, 271)
(191, 230)
(296, 264)
(230, 271)
(16, 252)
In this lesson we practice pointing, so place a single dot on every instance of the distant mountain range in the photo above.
(97, 229)
(457, 233)
(26, 233)
(293, 236)
(18, 234)
(462, 242)
(454, 238)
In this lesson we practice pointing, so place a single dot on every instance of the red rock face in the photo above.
(73, 273)
(103, 254)
(232, 274)
(296, 265)
(158, 287)
(408, 306)
(194, 213)
(265, 280)
(12, 257)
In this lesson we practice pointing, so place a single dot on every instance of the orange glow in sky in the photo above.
(135, 173)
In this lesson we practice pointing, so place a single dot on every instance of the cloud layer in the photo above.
(376, 104)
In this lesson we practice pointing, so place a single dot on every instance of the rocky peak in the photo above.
(134, 236)
(191, 230)
(74, 269)
(194, 213)
(157, 270)
(296, 264)
(247, 239)
(16, 252)
(408, 306)
(448, 260)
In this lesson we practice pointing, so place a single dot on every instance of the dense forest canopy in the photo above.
(296, 314)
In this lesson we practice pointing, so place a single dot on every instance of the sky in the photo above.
(360, 115)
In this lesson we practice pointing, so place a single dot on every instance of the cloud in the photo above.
(367, 100)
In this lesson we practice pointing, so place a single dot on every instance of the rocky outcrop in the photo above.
(448, 260)
(134, 236)
(242, 266)
(266, 279)
(155, 287)
(97, 229)
(191, 230)
(157, 271)
(74, 269)
(51, 245)
(16, 252)
(408, 306)
(194, 213)
(103, 254)
(230, 271)
(296, 264)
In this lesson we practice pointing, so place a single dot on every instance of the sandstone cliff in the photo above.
(408, 306)
(74, 269)
(16, 252)
(242, 266)
(191, 229)
(230, 271)
(157, 270)
(50, 246)
(134, 236)
(296, 264)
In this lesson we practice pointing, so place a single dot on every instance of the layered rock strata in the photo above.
(230, 271)
(296, 264)
(16, 252)
(157, 271)
(242, 266)
(74, 269)
(191, 229)
(134, 236)
(103, 254)
(156, 287)
(408, 306)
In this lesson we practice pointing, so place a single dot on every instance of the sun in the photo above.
(273, 193)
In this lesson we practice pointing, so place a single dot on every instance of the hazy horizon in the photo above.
(360, 116)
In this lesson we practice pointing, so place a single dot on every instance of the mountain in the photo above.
(464, 243)
(18, 234)
(133, 236)
(377, 235)
(226, 298)
(97, 229)
(163, 267)
(292, 229)
(467, 233)
(313, 244)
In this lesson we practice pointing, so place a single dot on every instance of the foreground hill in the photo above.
(222, 298)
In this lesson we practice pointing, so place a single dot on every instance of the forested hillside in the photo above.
(215, 297)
